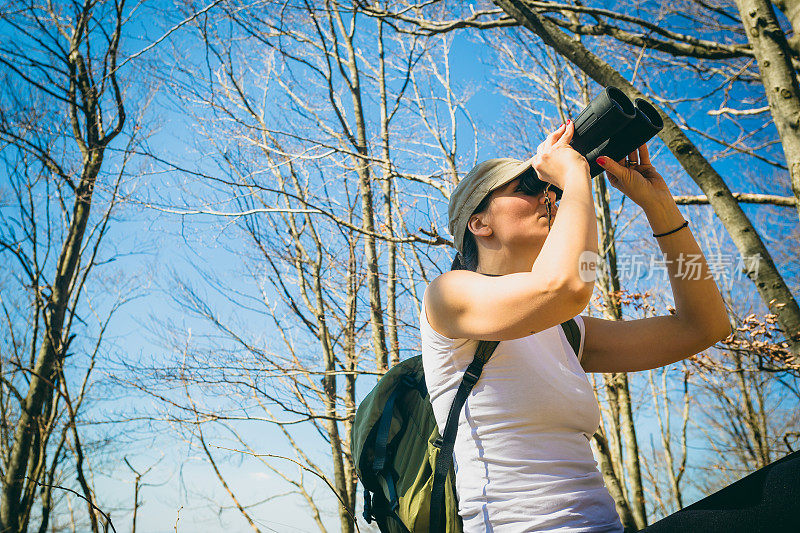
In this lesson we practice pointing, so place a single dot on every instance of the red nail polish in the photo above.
(601, 160)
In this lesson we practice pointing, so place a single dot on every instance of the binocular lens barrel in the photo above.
(613, 126)
(610, 126)
(602, 118)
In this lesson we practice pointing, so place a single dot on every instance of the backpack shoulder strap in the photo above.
(573, 334)
(447, 441)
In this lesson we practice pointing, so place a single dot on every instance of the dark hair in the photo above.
(468, 259)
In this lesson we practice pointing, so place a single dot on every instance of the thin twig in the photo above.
(81, 496)
(303, 467)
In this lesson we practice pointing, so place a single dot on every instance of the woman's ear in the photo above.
(478, 226)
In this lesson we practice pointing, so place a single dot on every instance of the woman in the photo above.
(522, 455)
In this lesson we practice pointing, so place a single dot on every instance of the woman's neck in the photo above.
(496, 266)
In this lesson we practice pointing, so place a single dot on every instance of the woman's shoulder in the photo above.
(440, 299)
(444, 291)
(441, 355)
(431, 303)
(451, 279)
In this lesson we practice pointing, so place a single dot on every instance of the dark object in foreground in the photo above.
(768, 501)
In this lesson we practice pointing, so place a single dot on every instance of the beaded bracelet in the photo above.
(685, 223)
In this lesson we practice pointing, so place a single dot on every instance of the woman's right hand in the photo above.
(555, 159)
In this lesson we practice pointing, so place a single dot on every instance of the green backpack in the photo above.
(406, 467)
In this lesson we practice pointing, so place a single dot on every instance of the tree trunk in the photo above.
(791, 8)
(632, 464)
(778, 77)
(613, 483)
(665, 429)
(391, 268)
(44, 373)
(617, 389)
(82, 96)
(367, 213)
(351, 358)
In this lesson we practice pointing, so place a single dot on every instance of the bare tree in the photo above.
(322, 248)
(62, 107)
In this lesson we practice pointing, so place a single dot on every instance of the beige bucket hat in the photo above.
(473, 188)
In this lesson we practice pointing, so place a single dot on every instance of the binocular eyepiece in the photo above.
(611, 126)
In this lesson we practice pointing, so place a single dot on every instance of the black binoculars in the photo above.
(611, 126)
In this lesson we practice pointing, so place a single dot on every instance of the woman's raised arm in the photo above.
(700, 318)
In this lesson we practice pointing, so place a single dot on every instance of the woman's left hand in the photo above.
(639, 181)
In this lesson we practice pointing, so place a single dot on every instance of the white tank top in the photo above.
(522, 456)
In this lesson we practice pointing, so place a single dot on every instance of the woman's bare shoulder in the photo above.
(444, 288)
(441, 301)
